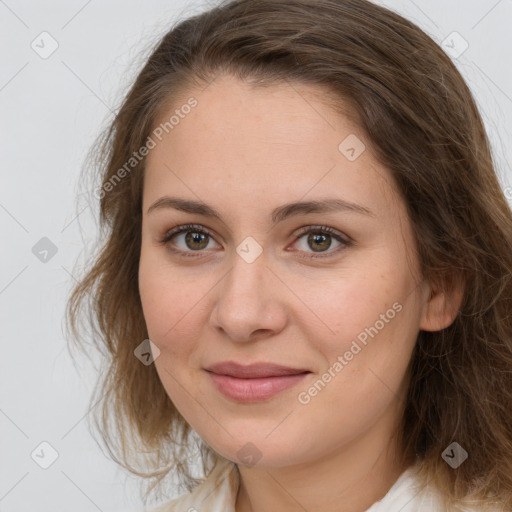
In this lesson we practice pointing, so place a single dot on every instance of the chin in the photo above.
(261, 452)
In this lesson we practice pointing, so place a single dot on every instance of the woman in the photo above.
(307, 268)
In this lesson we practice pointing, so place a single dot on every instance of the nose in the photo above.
(250, 302)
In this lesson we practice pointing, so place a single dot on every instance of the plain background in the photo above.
(51, 111)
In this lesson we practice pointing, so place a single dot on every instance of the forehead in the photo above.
(278, 140)
(246, 116)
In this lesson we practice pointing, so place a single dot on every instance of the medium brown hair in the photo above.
(416, 110)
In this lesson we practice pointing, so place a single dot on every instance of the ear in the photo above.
(441, 309)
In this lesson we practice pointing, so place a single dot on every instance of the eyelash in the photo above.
(344, 240)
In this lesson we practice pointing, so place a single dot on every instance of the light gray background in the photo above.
(51, 110)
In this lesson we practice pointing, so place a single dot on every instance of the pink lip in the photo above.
(253, 371)
(254, 382)
(253, 390)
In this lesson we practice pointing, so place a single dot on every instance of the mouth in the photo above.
(254, 371)
(256, 382)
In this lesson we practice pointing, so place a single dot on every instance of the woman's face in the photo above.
(267, 284)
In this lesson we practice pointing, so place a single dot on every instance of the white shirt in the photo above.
(218, 493)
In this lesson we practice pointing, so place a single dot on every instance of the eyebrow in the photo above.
(278, 214)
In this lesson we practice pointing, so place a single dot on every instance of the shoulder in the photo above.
(217, 493)
(409, 495)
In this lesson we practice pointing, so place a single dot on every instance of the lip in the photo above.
(253, 371)
(255, 382)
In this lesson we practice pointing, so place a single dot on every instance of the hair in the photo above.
(414, 107)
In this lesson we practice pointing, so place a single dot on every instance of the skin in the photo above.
(246, 151)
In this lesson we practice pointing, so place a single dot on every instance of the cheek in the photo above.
(170, 321)
(366, 360)
(173, 303)
(161, 303)
(154, 297)
(344, 305)
(370, 319)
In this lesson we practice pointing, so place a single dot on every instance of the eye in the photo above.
(319, 238)
(196, 238)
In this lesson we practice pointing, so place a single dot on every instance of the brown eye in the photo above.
(191, 240)
(194, 239)
(319, 240)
